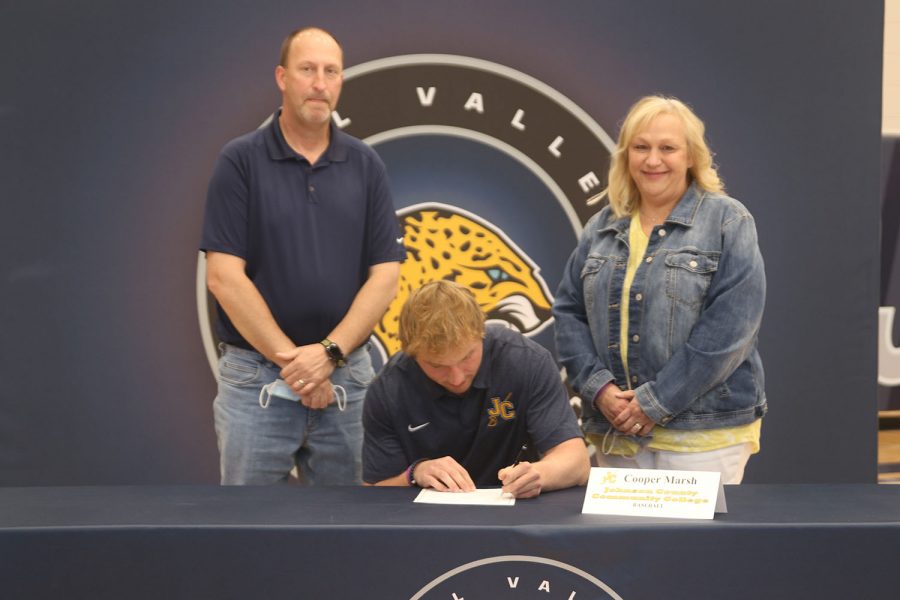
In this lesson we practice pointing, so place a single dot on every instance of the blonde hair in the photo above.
(438, 317)
(621, 190)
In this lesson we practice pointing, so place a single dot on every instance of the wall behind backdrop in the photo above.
(112, 113)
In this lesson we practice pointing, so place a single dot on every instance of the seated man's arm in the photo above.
(395, 481)
(443, 474)
(564, 465)
(554, 432)
(383, 449)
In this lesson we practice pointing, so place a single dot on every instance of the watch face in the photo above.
(334, 353)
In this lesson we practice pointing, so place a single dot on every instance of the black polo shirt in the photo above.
(517, 396)
(309, 233)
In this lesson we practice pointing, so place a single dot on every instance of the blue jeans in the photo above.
(262, 445)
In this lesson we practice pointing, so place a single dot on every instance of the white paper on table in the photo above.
(482, 497)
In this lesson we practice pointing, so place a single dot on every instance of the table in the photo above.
(291, 542)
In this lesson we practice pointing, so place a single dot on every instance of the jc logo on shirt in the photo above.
(501, 409)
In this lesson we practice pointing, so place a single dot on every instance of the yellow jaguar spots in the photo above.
(445, 242)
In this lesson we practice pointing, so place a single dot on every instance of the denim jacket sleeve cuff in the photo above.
(650, 404)
(594, 384)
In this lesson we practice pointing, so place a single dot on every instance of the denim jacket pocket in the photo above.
(593, 265)
(688, 275)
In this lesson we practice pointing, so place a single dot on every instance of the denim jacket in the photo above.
(695, 308)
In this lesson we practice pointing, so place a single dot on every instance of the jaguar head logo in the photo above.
(445, 242)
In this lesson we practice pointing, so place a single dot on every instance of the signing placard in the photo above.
(652, 493)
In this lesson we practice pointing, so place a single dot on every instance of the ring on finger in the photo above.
(637, 427)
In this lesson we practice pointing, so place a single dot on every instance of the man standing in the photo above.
(464, 406)
(303, 253)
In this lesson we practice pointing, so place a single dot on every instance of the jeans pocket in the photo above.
(359, 368)
(238, 371)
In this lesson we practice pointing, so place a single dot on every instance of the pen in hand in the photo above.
(521, 454)
(518, 459)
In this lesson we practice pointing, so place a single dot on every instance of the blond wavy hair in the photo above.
(438, 317)
(621, 191)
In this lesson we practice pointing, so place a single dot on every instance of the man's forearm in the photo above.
(368, 306)
(565, 465)
(245, 306)
(400, 480)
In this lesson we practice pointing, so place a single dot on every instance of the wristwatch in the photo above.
(334, 352)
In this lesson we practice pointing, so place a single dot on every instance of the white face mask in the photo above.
(280, 389)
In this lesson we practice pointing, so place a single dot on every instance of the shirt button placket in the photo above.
(310, 187)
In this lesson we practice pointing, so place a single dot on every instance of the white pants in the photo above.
(729, 461)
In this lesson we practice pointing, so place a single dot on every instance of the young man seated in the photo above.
(465, 406)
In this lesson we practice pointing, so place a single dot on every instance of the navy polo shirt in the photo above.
(517, 396)
(308, 233)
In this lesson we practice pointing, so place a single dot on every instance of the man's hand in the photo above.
(320, 397)
(307, 368)
(562, 466)
(444, 475)
(521, 481)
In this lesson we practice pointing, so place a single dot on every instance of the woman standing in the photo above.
(660, 305)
